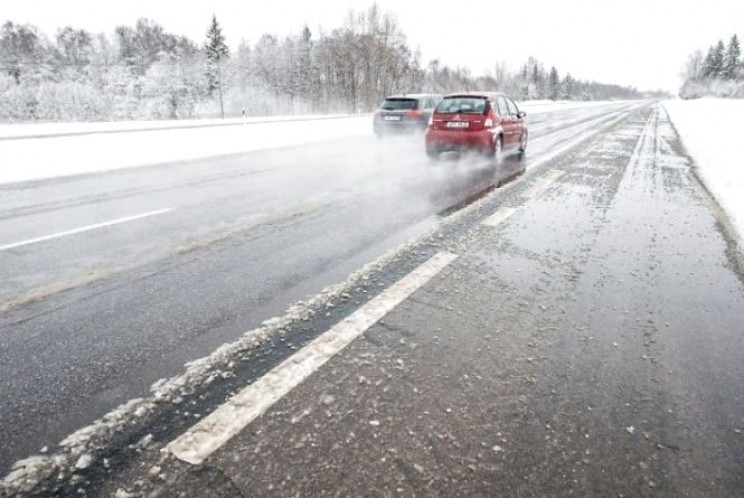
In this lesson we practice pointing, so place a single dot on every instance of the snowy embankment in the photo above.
(33, 152)
(711, 130)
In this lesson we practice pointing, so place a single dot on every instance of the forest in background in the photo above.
(144, 72)
(718, 73)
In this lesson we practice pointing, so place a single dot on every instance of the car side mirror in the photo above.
(522, 114)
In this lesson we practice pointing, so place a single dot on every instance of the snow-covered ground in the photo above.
(711, 132)
(51, 129)
(37, 158)
(94, 147)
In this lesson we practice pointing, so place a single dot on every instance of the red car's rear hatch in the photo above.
(461, 113)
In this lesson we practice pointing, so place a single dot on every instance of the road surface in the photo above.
(586, 341)
(92, 319)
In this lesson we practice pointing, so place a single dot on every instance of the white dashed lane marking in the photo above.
(88, 228)
(499, 217)
(542, 184)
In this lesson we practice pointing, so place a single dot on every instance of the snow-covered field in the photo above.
(711, 132)
(96, 148)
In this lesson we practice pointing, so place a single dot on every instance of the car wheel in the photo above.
(432, 154)
(523, 142)
(498, 150)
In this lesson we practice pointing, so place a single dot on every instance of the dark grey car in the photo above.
(405, 113)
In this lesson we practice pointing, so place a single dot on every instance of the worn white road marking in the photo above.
(542, 183)
(84, 229)
(201, 440)
(499, 217)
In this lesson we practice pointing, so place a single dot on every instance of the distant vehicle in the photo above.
(404, 113)
(490, 123)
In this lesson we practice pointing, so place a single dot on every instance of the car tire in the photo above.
(523, 142)
(432, 154)
(498, 150)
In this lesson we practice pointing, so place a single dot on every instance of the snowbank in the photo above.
(42, 130)
(38, 158)
(710, 129)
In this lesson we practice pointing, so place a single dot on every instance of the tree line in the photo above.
(145, 72)
(720, 72)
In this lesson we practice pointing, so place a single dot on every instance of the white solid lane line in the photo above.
(499, 217)
(208, 435)
(84, 229)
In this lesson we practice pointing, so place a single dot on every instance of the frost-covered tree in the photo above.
(306, 66)
(554, 84)
(720, 73)
(567, 87)
(144, 72)
(535, 78)
(217, 52)
(708, 67)
(23, 51)
(243, 70)
(74, 46)
(718, 60)
(732, 59)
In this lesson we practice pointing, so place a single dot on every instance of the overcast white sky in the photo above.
(638, 42)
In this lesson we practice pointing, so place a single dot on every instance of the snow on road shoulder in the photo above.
(39, 158)
(710, 130)
(31, 130)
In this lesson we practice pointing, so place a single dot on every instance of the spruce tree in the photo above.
(719, 56)
(554, 83)
(217, 51)
(568, 86)
(731, 60)
(708, 70)
(305, 71)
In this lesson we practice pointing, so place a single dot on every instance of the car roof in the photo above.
(489, 95)
(412, 96)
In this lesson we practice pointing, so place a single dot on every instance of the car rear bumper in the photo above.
(447, 140)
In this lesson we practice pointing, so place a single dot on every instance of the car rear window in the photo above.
(467, 105)
(399, 104)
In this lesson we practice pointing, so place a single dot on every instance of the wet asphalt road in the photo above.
(91, 320)
(589, 346)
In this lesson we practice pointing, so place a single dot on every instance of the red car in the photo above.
(490, 123)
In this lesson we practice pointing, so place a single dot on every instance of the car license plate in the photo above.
(457, 124)
(392, 118)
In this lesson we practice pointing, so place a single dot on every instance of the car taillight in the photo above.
(488, 123)
(414, 114)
